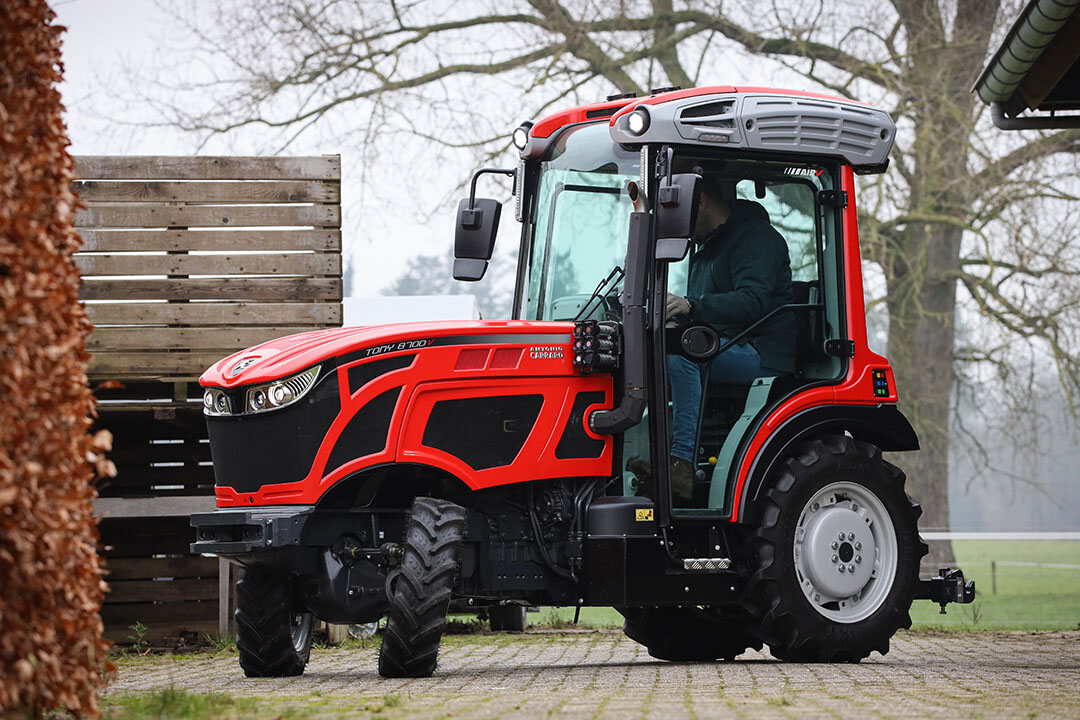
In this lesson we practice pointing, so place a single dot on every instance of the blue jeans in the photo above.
(739, 364)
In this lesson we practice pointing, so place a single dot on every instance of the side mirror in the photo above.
(474, 237)
(676, 214)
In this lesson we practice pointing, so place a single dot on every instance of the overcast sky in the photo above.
(110, 41)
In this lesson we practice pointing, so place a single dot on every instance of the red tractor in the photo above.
(390, 470)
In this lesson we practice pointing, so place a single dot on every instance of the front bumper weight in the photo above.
(948, 586)
(235, 532)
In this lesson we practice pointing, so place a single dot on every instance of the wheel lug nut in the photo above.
(851, 536)
(851, 568)
(835, 545)
(841, 537)
(834, 559)
(815, 507)
(858, 559)
(841, 568)
(858, 546)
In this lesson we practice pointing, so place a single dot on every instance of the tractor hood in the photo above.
(489, 403)
(288, 355)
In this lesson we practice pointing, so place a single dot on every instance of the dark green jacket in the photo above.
(740, 273)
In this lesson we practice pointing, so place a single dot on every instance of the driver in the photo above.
(738, 274)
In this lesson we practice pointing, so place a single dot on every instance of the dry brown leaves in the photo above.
(51, 586)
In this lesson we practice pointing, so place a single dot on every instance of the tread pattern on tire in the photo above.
(264, 626)
(419, 589)
(682, 634)
(785, 621)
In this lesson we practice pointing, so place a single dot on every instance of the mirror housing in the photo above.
(699, 342)
(676, 214)
(474, 237)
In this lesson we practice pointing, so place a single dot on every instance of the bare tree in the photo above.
(961, 222)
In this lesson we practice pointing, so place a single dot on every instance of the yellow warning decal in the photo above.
(644, 515)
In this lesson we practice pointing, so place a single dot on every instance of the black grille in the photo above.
(483, 432)
(690, 115)
(250, 451)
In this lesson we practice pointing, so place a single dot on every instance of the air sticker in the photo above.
(644, 515)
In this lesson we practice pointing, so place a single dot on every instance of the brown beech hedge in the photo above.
(51, 585)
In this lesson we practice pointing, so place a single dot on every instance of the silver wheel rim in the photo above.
(845, 552)
(300, 631)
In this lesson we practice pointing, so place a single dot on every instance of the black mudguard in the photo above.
(883, 425)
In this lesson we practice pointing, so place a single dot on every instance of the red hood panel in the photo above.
(284, 356)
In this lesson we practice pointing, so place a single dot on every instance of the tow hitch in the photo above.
(947, 587)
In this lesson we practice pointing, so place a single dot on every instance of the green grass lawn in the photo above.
(1027, 597)
(1016, 587)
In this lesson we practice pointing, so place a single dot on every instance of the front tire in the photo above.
(835, 556)
(683, 634)
(419, 588)
(273, 634)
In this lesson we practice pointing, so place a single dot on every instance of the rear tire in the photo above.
(507, 618)
(835, 556)
(273, 635)
(419, 588)
(681, 634)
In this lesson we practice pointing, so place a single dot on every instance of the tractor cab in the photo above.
(788, 161)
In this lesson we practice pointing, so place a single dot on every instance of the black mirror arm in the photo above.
(768, 316)
(482, 171)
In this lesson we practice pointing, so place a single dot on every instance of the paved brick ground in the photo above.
(602, 674)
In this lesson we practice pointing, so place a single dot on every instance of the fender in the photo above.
(883, 425)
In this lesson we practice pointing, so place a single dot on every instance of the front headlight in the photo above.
(281, 393)
(262, 398)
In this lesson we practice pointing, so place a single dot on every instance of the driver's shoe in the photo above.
(682, 481)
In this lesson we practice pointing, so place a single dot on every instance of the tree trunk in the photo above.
(921, 329)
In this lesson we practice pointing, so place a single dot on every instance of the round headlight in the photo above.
(208, 400)
(521, 135)
(637, 122)
(258, 400)
(280, 395)
(220, 403)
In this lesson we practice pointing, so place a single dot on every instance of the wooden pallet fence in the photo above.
(188, 259)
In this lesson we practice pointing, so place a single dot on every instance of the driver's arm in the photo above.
(755, 274)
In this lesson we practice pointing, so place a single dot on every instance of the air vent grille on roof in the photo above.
(814, 125)
(714, 114)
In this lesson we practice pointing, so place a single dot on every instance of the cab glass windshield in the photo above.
(581, 221)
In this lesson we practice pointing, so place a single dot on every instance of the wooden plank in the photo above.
(120, 633)
(136, 492)
(147, 476)
(165, 216)
(179, 506)
(151, 364)
(186, 167)
(209, 314)
(277, 288)
(95, 240)
(268, 264)
(226, 340)
(275, 191)
(134, 452)
(147, 568)
(168, 591)
(176, 613)
(224, 587)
